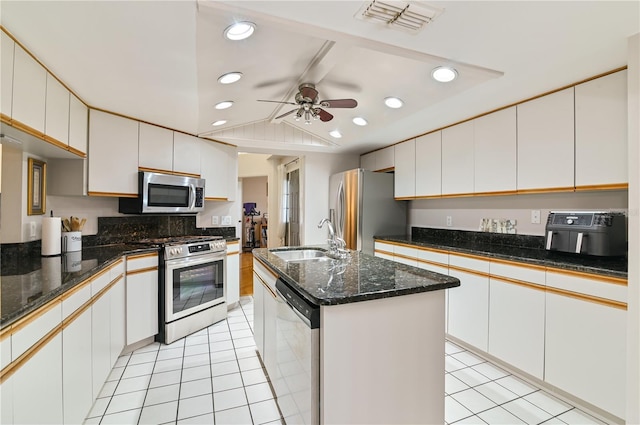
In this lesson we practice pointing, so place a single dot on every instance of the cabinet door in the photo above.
(368, 161)
(37, 386)
(100, 342)
(76, 366)
(155, 148)
(112, 140)
(495, 152)
(545, 142)
(270, 336)
(213, 165)
(142, 305)
(385, 159)
(258, 312)
(118, 320)
(186, 154)
(383, 250)
(57, 111)
(429, 164)
(78, 125)
(405, 255)
(457, 159)
(232, 172)
(29, 90)
(405, 172)
(601, 131)
(7, 48)
(233, 274)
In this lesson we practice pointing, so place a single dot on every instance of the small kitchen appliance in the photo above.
(597, 233)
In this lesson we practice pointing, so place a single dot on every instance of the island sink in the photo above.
(305, 254)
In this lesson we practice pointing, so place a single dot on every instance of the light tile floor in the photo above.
(215, 377)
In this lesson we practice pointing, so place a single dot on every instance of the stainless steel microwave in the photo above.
(165, 194)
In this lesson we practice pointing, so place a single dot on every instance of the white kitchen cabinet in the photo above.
(468, 310)
(233, 273)
(7, 48)
(368, 161)
(264, 316)
(214, 163)
(428, 162)
(37, 386)
(142, 297)
(383, 250)
(517, 316)
(186, 154)
(29, 91)
(405, 172)
(546, 142)
(76, 366)
(585, 341)
(232, 172)
(100, 335)
(382, 160)
(155, 148)
(117, 331)
(78, 126)
(56, 123)
(112, 140)
(458, 159)
(405, 255)
(258, 313)
(495, 152)
(601, 131)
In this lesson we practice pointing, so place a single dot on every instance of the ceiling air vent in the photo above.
(408, 16)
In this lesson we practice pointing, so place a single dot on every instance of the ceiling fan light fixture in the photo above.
(219, 122)
(335, 134)
(229, 77)
(444, 74)
(240, 30)
(360, 121)
(393, 102)
(224, 105)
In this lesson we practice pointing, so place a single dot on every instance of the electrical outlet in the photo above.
(32, 229)
(535, 216)
(226, 220)
(449, 221)
(214, 220)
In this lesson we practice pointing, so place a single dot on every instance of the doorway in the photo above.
(292, 208)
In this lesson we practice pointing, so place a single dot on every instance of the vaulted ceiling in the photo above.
(159, 61)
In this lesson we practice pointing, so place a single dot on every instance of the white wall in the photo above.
(466, 213)
(253, 165)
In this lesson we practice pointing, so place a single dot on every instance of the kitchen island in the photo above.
(381, 336)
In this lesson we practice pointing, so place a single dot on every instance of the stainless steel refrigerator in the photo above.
(361, 206)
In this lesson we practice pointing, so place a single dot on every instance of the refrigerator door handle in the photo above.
(340, 210)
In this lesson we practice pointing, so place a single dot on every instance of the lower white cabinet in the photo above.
(264, 316)
(258, 313)
(233, 273)
(142, 297)
(118, 320)
(383, 250)
(100, 342)
(76, 364)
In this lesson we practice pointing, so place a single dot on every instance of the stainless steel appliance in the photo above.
(192, 281)
(586, 232)
(297, 385)
(361, 206)
(165, 194)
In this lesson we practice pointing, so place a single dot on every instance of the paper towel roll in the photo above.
(51, 234)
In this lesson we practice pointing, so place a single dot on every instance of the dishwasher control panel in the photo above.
(300, 305)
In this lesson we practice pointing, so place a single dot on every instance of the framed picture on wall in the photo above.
(36, 187)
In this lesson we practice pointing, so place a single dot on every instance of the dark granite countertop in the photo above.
(30, 281)
(360, 277)
(605, 266)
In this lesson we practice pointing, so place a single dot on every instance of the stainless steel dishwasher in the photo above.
(297, 385)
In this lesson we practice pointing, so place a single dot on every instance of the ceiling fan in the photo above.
(310, 108)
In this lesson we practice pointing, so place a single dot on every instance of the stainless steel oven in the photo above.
(192, 287)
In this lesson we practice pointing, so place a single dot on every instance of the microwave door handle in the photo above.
(192, 196)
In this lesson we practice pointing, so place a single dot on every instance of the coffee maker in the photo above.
(598, 233)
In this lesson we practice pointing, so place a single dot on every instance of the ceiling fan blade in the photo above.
(339, 103)
(324, 115)
(308, 91)
(285, 114)
(277, 101)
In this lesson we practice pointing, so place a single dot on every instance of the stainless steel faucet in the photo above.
(336, 244)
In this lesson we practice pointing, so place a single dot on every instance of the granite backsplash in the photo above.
(461, 237)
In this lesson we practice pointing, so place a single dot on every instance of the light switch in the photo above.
(214, 220)
(449, 221)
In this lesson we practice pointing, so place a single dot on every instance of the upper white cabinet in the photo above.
(545, 142)
(232, 172)
(380, 160)
(7, 47)
(186, 154)
(155, 148)
(112, 140)
(57, 111)
(428, 163)
(405, 176)
(78, 125)
(457, 159)
(495, 152)
(601, 131)
(213, 165)
(29, 91)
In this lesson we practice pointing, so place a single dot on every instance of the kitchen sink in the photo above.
(303, 254)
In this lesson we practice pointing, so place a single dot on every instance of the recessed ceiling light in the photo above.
(335, 133)
(444, 74)
(393, 102)
(359, 121)
(224, 105)
(229, 77)
(240, 30)
(219, 122)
